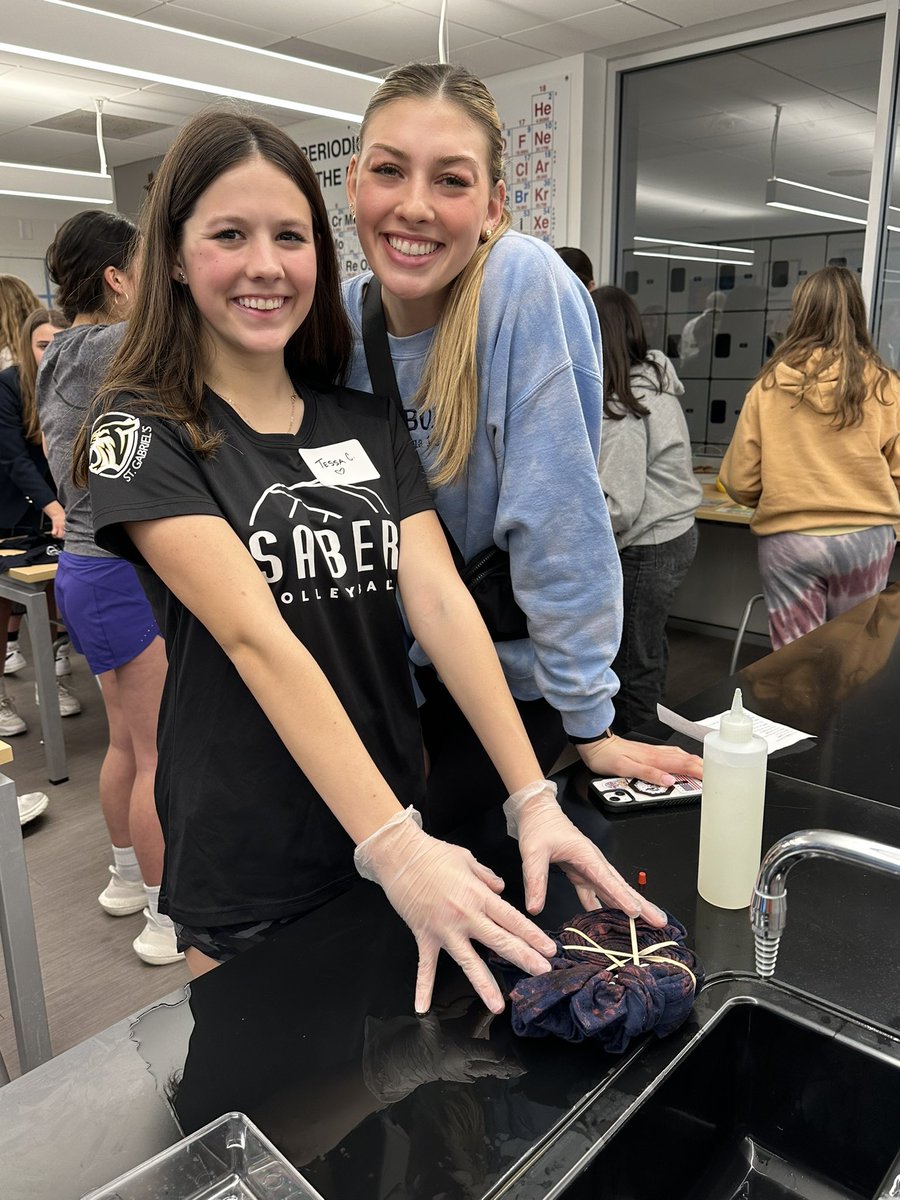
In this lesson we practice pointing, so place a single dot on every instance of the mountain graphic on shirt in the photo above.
(301, 495)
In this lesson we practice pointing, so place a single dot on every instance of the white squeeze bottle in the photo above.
(731, 809)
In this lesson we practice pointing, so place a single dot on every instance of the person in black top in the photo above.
(282, 517)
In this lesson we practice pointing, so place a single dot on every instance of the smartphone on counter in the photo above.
(635, 795)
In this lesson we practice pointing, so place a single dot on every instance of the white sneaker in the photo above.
(31, 805)
(63, 662)
(15, 661)
(69, 705)
(10, 721)
(156, 945)
(121, 897)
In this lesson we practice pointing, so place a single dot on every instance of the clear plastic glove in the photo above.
(617, 756)
(546, 835)
(448, 898)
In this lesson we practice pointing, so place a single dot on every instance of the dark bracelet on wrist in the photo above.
(600, 737)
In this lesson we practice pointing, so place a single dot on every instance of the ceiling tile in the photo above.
(693, 12)
(593, 31)
(179, 16)
(290, 19)
(497, 55)
(395, 34)
(499, 19)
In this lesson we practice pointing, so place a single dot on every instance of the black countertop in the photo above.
(840, 683)
(311, 1034)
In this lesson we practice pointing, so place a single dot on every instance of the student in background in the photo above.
(652, 494)
(495, 348)
(578, 262)
(28, 502)
(17, 301)
(816, 452)
(104, 607)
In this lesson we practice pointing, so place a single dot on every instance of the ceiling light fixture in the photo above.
(694, 245)
(206, 37)
(55, 183)
(742, 262)
(179, 58)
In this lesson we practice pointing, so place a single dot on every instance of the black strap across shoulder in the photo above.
(384, 377)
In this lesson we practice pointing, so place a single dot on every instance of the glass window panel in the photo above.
(700, 143)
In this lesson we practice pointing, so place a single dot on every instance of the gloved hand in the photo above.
(546, 835)
(447, 898)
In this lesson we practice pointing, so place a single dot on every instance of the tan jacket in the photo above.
(789, 461)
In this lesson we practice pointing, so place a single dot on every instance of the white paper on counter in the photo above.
(777, 736)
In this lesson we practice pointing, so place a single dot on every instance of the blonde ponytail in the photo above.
(449, 384)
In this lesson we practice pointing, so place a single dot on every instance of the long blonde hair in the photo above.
(828, 329)
(449, 383)
(28, 366)
(17, 300)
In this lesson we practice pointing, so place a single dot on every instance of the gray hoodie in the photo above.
(645, 464)
(70, 374)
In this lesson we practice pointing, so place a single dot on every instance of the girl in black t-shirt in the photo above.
(283, 517)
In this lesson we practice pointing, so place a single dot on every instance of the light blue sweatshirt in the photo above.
(532, 485)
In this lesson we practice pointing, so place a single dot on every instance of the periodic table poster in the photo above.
(535, 117)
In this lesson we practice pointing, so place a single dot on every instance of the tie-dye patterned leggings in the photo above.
(809, 579)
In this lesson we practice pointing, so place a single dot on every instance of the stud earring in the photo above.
(182, 277)
(487, 234)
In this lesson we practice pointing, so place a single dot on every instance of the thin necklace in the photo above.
(242, 414)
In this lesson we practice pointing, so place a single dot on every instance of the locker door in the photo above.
(726, 397)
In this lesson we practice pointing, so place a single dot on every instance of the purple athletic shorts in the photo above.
(105, 610)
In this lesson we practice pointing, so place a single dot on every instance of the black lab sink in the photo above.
(762, 1106)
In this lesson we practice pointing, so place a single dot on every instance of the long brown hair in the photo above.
(17, 300)
(828, 330)
(159, 358)
(28, 366)
(449, 383)
(624, 348)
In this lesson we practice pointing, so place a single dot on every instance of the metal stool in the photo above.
(742, 629)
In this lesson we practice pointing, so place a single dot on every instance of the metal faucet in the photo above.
(768, 908)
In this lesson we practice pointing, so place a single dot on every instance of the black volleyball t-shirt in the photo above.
(247, 836)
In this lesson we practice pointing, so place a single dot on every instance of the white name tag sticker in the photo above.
(342, 462)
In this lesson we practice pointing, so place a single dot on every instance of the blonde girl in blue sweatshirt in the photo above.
(496, 352)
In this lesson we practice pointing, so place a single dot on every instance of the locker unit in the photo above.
(645, 280)
(734, 279)
(696, 366)
(845, 250)
(695, 403)
(689, 285)
(791, 259)
(726, 397)
(739, 345)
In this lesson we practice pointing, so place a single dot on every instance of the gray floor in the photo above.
(92, 977)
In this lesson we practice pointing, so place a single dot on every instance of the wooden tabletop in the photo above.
(38, 573)
(717, 506)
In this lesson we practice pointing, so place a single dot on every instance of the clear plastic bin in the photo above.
(228, 1159)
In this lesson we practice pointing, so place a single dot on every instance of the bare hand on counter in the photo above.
(617, 756)
(448, 898)
(546, 835)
